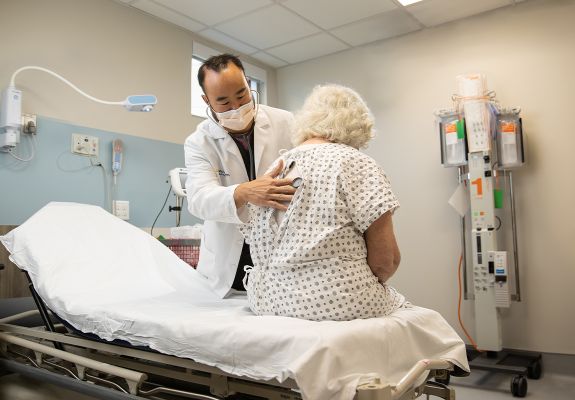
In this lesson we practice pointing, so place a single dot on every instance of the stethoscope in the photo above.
(297, 181)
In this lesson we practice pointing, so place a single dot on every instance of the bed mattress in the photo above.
(104, 276)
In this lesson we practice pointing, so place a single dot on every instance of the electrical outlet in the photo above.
(121, 209)
(85, 145)
(29, 124)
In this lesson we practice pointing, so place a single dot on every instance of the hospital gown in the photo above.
(313, 264)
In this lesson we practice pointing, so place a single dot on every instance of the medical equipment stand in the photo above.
(468, 141)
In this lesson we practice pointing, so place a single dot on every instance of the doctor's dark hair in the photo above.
(217, 64)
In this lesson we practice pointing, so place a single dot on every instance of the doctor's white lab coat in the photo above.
(215, 168)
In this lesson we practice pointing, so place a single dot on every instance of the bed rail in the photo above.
(133, 378)
(413, 380)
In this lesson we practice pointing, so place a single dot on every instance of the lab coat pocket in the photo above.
(207, 256)
(209, 234)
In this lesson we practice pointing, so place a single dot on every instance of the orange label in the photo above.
(508, 127)
(451, 128)
(479, 184)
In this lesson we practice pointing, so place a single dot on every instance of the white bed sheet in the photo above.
(107, 277)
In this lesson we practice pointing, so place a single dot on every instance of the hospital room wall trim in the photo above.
(110, 51)
(526, 52)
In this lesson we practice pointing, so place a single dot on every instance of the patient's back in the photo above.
(311, 262)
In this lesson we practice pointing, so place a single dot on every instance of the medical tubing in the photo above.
(251, 154)
(459, 307)
(162, 209)
(67, 82)
(107, 191)
(32, 151)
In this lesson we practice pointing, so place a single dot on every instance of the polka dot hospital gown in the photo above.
(312, 264)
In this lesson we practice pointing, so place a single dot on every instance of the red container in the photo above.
(187, 249)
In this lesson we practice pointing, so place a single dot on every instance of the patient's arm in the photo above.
(382, 251)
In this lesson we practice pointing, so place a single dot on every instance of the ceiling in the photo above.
(284, 32)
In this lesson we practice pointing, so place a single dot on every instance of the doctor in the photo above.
(226, 158)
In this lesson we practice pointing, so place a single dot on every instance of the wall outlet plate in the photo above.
(85, 145)
(28, 119)
(121, 209)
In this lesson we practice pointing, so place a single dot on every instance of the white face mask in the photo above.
(239, 119)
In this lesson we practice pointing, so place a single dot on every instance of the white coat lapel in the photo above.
(261, 138)
(226, 142)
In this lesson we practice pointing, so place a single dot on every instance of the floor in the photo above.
(557, 383)
(15, 387)
(481, 386)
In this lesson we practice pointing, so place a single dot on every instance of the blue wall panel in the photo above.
(56, 174)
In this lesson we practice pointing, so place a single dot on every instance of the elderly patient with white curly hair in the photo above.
(329, 256)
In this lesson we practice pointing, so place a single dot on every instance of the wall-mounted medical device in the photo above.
(10, 118)
(11, 107)
(117, 157)
(178, 178)
(143, 103)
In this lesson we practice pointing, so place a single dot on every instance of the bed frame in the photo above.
(106, 370)
(111, 371)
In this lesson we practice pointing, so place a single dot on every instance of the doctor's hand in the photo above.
(266, 191)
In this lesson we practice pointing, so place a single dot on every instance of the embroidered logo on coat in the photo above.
(221, 172)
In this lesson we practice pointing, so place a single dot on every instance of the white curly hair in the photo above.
(335, 113)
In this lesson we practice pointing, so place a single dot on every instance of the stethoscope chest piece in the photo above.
(296, 182)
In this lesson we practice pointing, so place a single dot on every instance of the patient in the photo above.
(329, 256)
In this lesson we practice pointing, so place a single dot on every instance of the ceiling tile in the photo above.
(383, 26)
(224, 39)
(307, 48)
(340, 11)
(211, 12)
(268, 27)
(435, 12)
(269, 59)
(168, 15)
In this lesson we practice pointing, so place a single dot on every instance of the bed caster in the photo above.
(443, 378)
(519, 386)
(534, 370)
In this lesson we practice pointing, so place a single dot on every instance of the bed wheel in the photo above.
(534, 370)
(444, 380)
(519, 386)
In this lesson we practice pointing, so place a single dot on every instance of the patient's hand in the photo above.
(266, 191)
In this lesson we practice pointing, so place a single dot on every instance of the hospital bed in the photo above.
(126, 329)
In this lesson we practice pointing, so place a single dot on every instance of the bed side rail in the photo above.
(407, 386)
(133, 378)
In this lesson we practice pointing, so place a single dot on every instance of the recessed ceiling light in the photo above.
(408, 2)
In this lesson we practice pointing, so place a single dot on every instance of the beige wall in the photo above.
(528, 54)
(109, 51)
